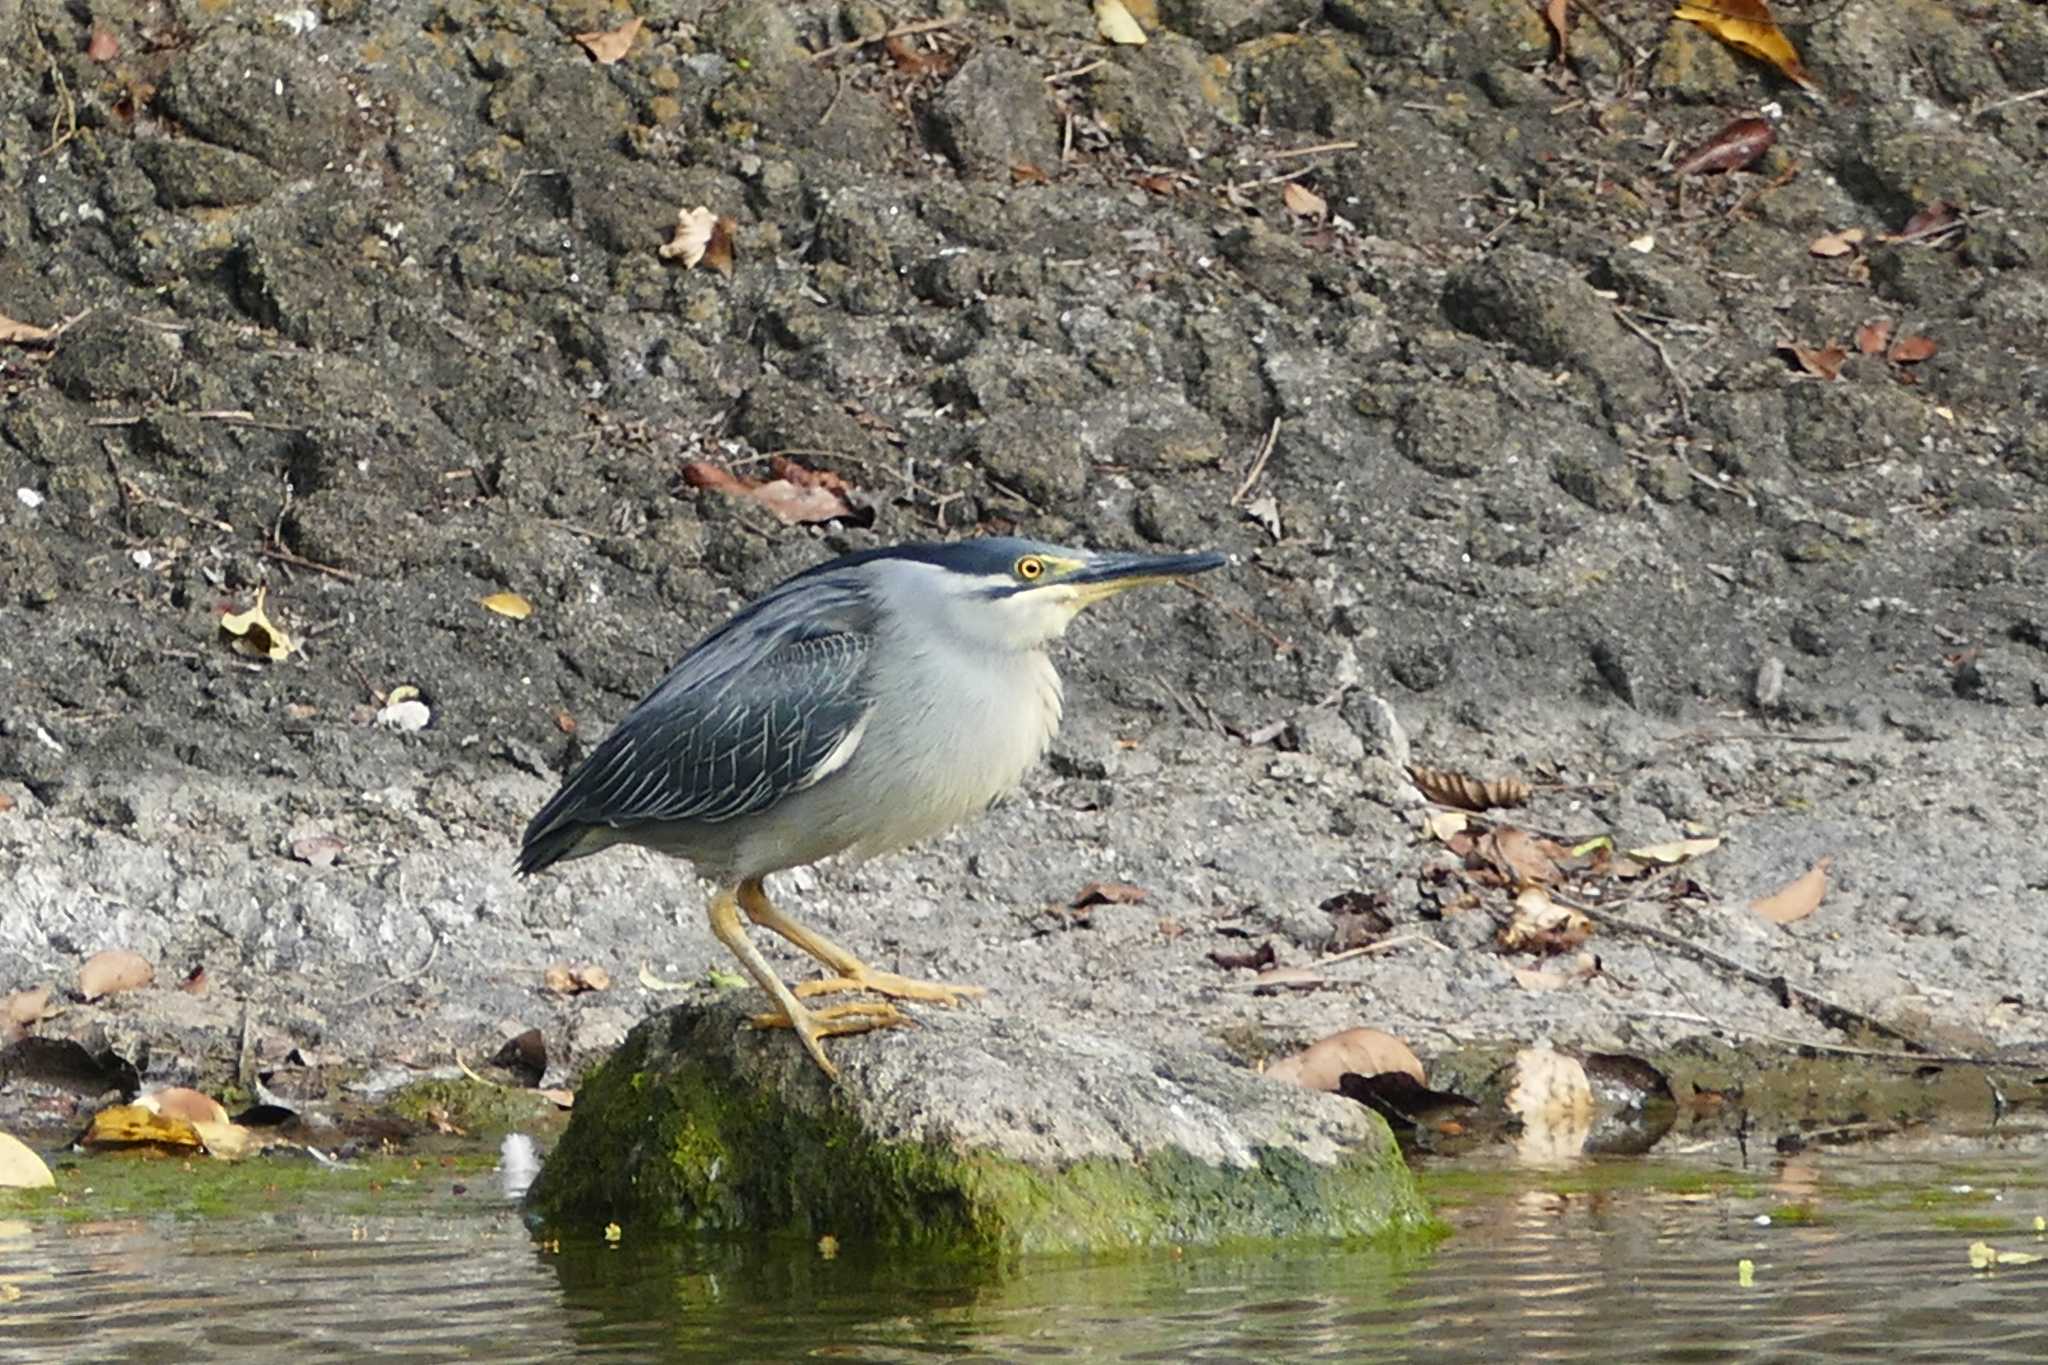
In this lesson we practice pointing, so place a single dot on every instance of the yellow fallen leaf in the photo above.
(509, 604)
(649, 981)
(1677, 851)
(1747, 26)
(251, 632)
(1983, 1256)
(1116, 25)
(610, 45)
(1798, 898)
(1745, 1273)
(20, 1167)
(129, 1125)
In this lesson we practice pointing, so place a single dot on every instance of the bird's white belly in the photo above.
(930, 757)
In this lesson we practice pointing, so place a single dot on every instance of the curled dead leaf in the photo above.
(563, 979)
(1873, 336)
(1109, 893)
(253, 633)
(1363, 1051)
(1798, 898)
(1468, 793)
(1303, 202)
(1911, 350)
(610, 46)
(113, 971)
(692, 236)
(1747, 26)
(1843, 243)
(1738, 144)
(318, 850)
(1930, 221)
(1822, 362)
(796, 495)
(1517, 855)
(1541, 925)
(180, 1102)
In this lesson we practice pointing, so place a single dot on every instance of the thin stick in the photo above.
(1265, 453)
(1678, 384)
(2031, 95)
(279, 553)
(1819, 1006)
(1056, 77)
(900, 31)
(1316, 150)
(1281, 644)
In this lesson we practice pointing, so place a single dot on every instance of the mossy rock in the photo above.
(979, 1137)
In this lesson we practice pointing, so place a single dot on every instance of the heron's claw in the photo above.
(889, 984)
(861, 1016)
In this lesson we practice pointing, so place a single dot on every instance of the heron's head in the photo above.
(1008, 593)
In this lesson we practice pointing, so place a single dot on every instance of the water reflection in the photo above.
(1857, 1260)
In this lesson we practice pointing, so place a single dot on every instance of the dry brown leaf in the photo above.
(563, 979)
(1541, 925)
(253, 633)
(1798, 898)
(1738, 144)
(23, 333)
(113, 971)
(1831, 244)
(1556, 13)
(561, 1099)
(1448, 788)
(180, 1102)
(592, 978)
(1931, 221)
(102, 46)
(1823, 362)
(909, 59)
(1303, 202)
(6, 803)
(508, 604)
(20, 1167)
(1024, 173)
(1162, 185)
(693, 234)
(1362, 1051)
(1518, 855)
(1910, 350)
(1872, 337)
(796, 505)
(1254, 959)
(704, 474)
(718, 250)
(318, 850)
(611, 45)
(1445, 825)
(1108, 893)
(1747, 26)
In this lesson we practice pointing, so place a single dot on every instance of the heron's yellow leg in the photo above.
(810, 1025)
(849, 973)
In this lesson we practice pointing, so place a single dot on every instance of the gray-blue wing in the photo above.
(769, 704)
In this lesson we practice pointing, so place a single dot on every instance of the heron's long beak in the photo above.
(1109, 574)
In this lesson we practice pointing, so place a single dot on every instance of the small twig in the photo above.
(2028, 97)
(279, 553)
(900, 31)
(1316, 150)
(67, 107)
(1258, 465)
(1385, 945)
(471, 1074)
(1678, 383)
(1281, 644)
(1075, 74)
(1835, 1016)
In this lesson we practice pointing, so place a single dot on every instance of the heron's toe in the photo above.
(889, 984)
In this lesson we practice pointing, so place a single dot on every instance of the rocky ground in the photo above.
(364, 305)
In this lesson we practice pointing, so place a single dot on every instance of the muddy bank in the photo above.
(367, 309)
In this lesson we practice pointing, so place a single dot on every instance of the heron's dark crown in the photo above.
(980, 557)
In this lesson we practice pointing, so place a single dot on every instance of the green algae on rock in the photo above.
(976, 1136)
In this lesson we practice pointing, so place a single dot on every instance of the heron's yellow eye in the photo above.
(1030, 568)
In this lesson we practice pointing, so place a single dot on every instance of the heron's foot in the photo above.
(889, 984)
(834, 1021)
